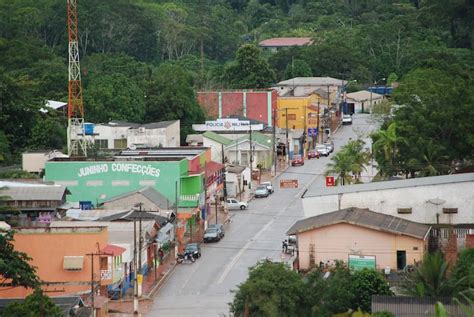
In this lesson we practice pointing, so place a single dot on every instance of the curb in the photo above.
(160, 283)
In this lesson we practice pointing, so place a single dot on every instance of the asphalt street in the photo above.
(204, 288)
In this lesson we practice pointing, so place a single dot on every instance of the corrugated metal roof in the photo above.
(286, 41)
(363, 95)
(364, 218)
(315, 191)
(312, 81)
(41, 192)
(257, 137)
(216, 137)
(410, 306)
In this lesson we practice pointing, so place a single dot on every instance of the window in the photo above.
(120, 143)
(450, 210)
(102, 144)
(404, 210)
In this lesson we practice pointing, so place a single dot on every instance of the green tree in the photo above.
(34, 305)
(48, 133)
(298, 68)
(391, 79)
(4, 148)
(170, 96)
(14, 267)
(349, 162)
(463, 271)
(366, 283)
(386, 144)
(271, 289)
(430, 279)
(249, 70)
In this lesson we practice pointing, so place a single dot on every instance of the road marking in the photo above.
(239, 254)
(306, 186)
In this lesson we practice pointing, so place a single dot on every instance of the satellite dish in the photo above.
(436, 201)
(133, 147)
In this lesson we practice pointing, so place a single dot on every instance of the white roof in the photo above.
(55, 104)
(91, 215)
(312, 81)
(363, 95)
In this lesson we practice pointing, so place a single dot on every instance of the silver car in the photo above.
(261, 191)
(233, 204)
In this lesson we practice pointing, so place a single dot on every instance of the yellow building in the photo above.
(302, 111)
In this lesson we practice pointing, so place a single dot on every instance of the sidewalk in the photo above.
(150, 285)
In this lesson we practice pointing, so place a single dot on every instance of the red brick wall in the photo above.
(257, 106)
(452, 250)
(469, 241)
(209, 101)
(232, 103)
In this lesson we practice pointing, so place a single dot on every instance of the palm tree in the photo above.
(385, 142)
(432, 162)
(360, 157)
(430, 279)
(342, 165)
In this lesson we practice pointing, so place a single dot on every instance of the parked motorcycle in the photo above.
(185, 257)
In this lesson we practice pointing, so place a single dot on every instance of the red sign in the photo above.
(330, 181)
(288, 183)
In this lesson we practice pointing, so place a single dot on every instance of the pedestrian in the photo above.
(161, 254)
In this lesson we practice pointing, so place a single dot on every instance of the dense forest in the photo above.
(143, 60)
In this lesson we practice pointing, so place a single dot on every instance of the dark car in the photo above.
(212, 234)
(193, 248)
(297, 160)
(219, 227)
(313, 154)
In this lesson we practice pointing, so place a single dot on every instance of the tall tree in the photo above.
(386, 145)
(298, 68)
(34, 305)
(170, 96)
(249, 70)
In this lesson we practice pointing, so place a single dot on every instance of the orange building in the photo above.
(61, 258)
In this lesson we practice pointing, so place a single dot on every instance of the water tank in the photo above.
(88, 128)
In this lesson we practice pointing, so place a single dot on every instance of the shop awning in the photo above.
(114, 250)
(73, 263)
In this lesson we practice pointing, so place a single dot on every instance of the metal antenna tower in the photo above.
(75, 110)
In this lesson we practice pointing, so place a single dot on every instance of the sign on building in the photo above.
(288, 183)
(330, 181)
(359, 262)
(228, 124)
(105, 274)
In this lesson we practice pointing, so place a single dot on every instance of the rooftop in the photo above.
(216, 137)
(38, 192)
(258, 137)
(148, 192)
(363, 218)
(312, 81)
(286, 41)
(152, 125)
(315, 191)
(363, 95)
(68, 228)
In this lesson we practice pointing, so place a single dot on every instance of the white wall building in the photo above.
(121, 134)
(363, 101)
(304, 86)
(445, 199)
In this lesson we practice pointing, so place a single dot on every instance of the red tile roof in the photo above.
(286, 41)
(213, 167)
(115, 250)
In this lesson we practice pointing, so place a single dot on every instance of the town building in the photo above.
(255, 105)
(360, 238)
(118, 135)
(277, 43)
(33, 162)
(62, 258)
(442, 201)
(31, 204)
(362, 101)
(304, 86)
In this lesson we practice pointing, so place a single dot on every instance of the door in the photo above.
(401, 259)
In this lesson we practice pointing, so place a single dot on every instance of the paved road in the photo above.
(204, 288)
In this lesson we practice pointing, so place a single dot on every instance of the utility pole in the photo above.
(287, 141)
(319, 128)
(98, 253)
(251, 157)
(205, 191)
(176, 218)
(224, 177)
(140, 239)
(274, 150)
(135, 281)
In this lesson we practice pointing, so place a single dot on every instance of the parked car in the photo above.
(269, 186)
(261, 191)
(313, 154)
(322, 150)
(233, 204)
(212, 234)
(220, 227)
(193, 248)
(297, 160)
(329, 146)
(347, 119)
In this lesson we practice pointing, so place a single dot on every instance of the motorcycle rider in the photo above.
(284, 246)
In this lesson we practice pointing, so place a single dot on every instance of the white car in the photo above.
(329, 146)
(347, 119)
(322, 150)
(269, 186)
(233, 204)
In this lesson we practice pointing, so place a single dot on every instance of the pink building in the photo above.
(359, 234)
(253, 104)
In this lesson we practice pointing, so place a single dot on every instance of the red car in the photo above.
(297, 160)
(313, 154)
